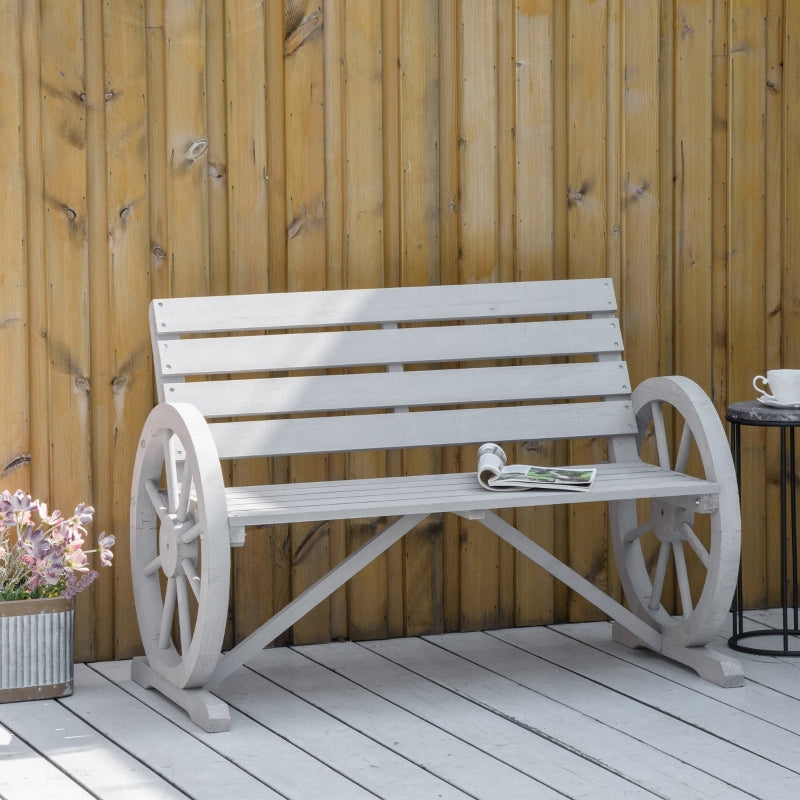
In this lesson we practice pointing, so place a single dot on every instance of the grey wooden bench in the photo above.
(335, 382)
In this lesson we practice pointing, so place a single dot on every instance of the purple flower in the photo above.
(17, 507)
(45, 558)
(77, 583)
(35, 543)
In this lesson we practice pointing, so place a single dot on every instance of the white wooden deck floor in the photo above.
(528, 713)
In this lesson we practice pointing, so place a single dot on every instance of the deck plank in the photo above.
(737, 747)
(25, 773)
(506, 738)
(252, 747)
(179, 757)
(365, 759)
(534, 693)
(72, 745)
(455, 762)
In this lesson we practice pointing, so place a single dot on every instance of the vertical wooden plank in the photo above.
(306, 262)
(333, 44)
(246, 179)
(587, 94)
(15, 452)
(693, 156)
(719, 203)
(419, 217)
(157, 148)
(693, 160)
(63, 94)
(364, 265)
(216, 85)
(38, 361)
(615, 139)
(186, 147)
(506, 267)
(449, 201)
(478, 217)
(534, 243)
(639, 287)
(246, 157)
(276, 250)
(746, 249)
(773, 270)
(790, 279)
(98, 306)
(666, 134)
(124, 333)
(392, 257)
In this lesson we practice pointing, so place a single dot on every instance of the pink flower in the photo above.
(104, 545)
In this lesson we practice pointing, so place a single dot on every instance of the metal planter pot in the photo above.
(36, 648)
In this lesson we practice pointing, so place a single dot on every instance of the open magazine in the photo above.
(495, 474)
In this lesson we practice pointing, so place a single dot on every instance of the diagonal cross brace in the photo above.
(315, 594)
(578, 583)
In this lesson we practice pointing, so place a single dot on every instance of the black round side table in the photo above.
(786, 420)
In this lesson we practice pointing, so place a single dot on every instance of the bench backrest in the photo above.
(317, 372)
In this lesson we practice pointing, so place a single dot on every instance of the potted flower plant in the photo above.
(43, 565)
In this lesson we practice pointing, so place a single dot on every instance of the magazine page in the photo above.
(495, 474)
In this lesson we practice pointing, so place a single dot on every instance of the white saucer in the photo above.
(768, 401)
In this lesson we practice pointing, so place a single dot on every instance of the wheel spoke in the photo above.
(191, 574)
(697, 546)
(187, 537)
(683, 578)
(661, 434)
(167, 614)
(639, 531)
(185, 495)
(171, 468)
(658, 578)
(684, 447)
(184, 618)
(157, 498)
(153, 567)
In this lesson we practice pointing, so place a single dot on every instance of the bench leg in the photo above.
(204, 709)
(717, 668)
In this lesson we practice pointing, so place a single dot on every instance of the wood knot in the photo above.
(577, 195)
(196, 149)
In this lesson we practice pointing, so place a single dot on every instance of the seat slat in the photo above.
(376, 306)
(341, 349)
(321, 393)
(421, 429)
(375, 497)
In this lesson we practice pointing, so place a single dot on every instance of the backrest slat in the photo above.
(377, 306)
(341, 349)
(412, 388)
(420, 429)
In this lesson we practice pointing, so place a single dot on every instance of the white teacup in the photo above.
(785, 385)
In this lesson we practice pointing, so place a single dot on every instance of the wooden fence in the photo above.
(180, 147)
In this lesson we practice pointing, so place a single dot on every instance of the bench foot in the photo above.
(717, 668)
(204, 709)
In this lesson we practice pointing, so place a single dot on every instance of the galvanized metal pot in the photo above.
(36, 648)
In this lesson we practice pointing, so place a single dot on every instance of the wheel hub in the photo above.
(172, 549)
(670, 521)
